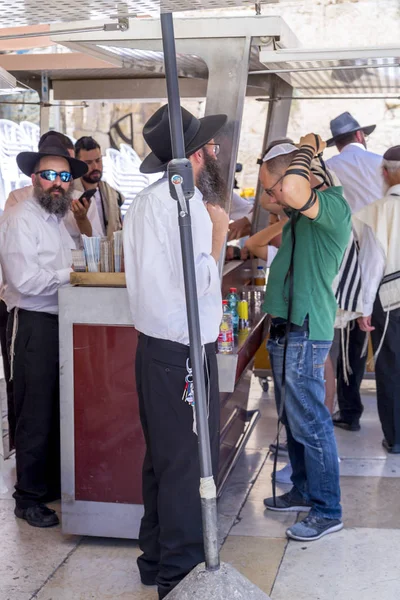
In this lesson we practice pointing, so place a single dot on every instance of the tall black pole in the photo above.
(180, 176)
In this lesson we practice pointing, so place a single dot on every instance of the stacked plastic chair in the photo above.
(31, 132)
(121, 168)
(12, 141)
(122, 172)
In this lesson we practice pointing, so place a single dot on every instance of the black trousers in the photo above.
(171, 535)
(37, 407)
(349, 397)
(6, 365)
(387, 371)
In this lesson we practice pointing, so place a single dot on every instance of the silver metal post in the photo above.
(180, 174)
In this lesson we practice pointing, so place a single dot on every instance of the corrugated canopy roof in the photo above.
(357, 71)
(136, 52)
(30, 12)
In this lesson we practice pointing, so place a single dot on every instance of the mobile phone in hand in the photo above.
(87, 195)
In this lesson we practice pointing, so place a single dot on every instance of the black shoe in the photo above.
(392, 449)
(163, 592)
(339, 421)
(38, 515)
(282, 449)
(292, 501)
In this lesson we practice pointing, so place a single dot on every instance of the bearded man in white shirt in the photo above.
(377, 226)
(171, 531)
(77, 222)
(35, 256)
(359, 172)
(82, 218)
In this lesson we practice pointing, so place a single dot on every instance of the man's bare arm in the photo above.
(296, 185)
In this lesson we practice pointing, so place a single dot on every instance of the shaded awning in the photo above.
(337, 72)
(30, 12)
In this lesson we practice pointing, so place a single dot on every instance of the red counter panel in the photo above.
(109, 444)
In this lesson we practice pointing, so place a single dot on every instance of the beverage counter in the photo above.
(102, 446)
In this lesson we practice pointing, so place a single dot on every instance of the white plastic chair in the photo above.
(31, 131)
(127, 177)
(129, 153)
(108, 174)
(12, 142)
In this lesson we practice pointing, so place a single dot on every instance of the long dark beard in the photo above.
(210, 181)
(93, 179)
(58, 206)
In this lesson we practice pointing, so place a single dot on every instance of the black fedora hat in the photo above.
(197, 133)
(52, 146)
(344, 124)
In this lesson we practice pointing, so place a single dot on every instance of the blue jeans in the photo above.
(311, 441)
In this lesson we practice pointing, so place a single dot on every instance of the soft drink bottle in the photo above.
(243, 312)
(233, 301)
(225, 338)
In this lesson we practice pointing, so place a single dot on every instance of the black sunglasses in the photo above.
(50, 175)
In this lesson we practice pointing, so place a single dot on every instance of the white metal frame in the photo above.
(309, 54)
(145, 34)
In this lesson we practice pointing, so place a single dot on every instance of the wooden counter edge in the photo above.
(98, 279)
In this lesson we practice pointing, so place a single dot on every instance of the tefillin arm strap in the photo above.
(301, 166)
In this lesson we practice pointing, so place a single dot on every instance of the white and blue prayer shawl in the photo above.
(347, 285)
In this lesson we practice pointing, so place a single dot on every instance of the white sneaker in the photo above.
(284, 475)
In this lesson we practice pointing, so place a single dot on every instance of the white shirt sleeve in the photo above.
(20, 262)
(73, 229)
(372, 261)
(207, 275)
(240, 207)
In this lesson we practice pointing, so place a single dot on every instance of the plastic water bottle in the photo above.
(225, 338)
(233, 301)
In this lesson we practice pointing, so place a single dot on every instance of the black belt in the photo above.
(174, 346)
(278, 327)
(23, 311)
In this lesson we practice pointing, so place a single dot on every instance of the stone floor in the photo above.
(358, 563)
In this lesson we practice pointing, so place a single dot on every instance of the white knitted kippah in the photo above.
(279, 150)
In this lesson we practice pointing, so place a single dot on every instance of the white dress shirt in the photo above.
(360, 175)
(372, 261)
(153, 266)
(21, 194)
(35, 257)
(240, 207)
(372, 258)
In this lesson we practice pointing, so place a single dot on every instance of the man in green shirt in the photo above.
(300, 299)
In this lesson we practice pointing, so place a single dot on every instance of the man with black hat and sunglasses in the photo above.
(171, 531)
(35, 256)
(359, 172)
(82, 218)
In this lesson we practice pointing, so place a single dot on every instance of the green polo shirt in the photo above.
(320, 246)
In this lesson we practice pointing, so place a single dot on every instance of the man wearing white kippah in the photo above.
(302, 304)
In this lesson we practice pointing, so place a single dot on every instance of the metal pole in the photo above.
(185, 174)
